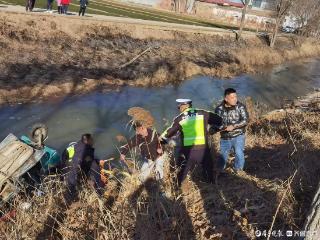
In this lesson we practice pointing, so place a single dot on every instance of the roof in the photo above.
(234, 3)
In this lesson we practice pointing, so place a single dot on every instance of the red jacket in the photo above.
(65, 2)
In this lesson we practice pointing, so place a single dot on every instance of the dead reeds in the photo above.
(266, 196)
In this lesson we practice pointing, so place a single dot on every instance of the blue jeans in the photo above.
(237, 143)
(49, 5)
(65, 8)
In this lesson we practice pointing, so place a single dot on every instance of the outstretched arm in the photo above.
(215, 122)
(170, 132)
(132, 143)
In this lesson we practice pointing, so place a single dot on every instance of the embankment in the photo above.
(54, 56)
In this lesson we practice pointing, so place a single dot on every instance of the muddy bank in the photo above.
(51, 56)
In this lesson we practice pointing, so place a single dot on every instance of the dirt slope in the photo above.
(50, 56)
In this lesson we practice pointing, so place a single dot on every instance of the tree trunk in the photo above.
(313, 219)
(275, 33)
(190, 6)
(243, 17)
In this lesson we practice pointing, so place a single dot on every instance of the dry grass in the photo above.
(43, 57)
(277, 146)
(256, 56)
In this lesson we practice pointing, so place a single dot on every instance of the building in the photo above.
(254, 4)
(145, 2)
(263, 4)
(233, 3)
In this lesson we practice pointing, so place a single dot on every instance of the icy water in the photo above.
(105, 114)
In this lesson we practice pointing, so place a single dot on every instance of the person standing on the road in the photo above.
(83, 6)
(49, 6)
(59, 5)
(65, 6)
(30, 5)
(192, 124)
(235, 119)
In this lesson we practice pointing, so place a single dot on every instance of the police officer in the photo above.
(192, 124)
(79, 159)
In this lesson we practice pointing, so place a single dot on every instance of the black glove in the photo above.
(163, 141)
(212, 130)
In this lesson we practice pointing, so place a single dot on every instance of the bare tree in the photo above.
(307, 17)
(176, 4)
(282, 9)
(243, 17)
(190, 5)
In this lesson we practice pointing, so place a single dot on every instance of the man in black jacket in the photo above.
(83, 6)
(78, 159)
(235, 119)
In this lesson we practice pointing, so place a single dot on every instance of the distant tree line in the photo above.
(306, 15)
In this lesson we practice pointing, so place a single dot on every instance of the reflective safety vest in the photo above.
(70, 151)
(191, 123)
(193, 129)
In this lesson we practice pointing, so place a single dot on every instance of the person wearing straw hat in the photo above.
(146, 139)
(192, 124)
